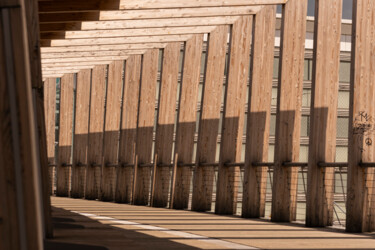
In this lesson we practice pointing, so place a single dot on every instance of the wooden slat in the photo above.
(81, 133)
(111, 130)
(102, 48)
(91, 54)
(165, 125)
(258, 115)
(323, 118)
(288, 117)
(88, 58)
(96, 126)
(360, 213)
(65, 135)
(234, 114)
(209, 119)
(146, 112)
(125, 175)
(184, 145)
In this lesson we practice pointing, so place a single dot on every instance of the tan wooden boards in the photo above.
(165, 125)
(125, 174)
(111, 130)
(81, 133)
(361, 184)
(187, 115)
(203, 180)
(63, 170)
(325, 85)
(288, 118)
(96, 126)
(259, 113)
(146, 112)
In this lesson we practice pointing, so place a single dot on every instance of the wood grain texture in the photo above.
(125, 175)
(325, 86)
(96, 127)
(165, 125)
(112, 130)
(234, 114)
(146, 117)
(187, 115)
(203, 179)
(81, 133)
(360, 216)
(288, 117)
(258, 115)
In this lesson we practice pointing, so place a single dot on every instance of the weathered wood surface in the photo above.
(165, 125)
(146, 113)
(288, 118)
(259, 113)
(96, 127)
(360, 216)
(184, 145)
(112, 130)
(323, 118)
(81, 133)
(203, 179)
(125, 175)
(63, 171)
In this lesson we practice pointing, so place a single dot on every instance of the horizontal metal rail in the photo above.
(332, 164)
(263, 164)
(294, 164)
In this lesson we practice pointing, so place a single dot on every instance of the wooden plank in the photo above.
(288, 117)
(81, 133)
(96, 126)
(209, 119)
(234, 114)
(146, 113)
(63, 172)
(259, 113)
(323, 118)
(112, 130)
(89, 48)
(125, 175)
(187, 115)
(165, 125)
(360, 213)
(92, 54)
(88, 58)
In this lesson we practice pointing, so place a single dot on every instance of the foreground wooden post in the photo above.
(81, 133)
(259, 113)
(111, 130)
(325, 85)
(234, 113)
(203, 179)
(125, 174)
(165, 125)
(184, 145)
(96, 126)
(360, 209)
(146, 112)
(288, 119)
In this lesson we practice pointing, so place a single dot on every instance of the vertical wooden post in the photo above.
(323, 118)
(112, 130)
(234, 113)
(81, 133)
(65, 135)
(184, 145)
(360, 210)
(288, 117)
(96, 126)
(125, 174)
(146, 113)
(259, 113)
(203, 179)
(165, 125)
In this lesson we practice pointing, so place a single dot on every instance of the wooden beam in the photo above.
(73, 64)
(203, 180)
(79, 59)
(91, 54)
(288, 117)
(323, 118)
(115, 47)
(187, 115)
(259, 113)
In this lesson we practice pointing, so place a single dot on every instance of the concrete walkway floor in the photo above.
(119, 226)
